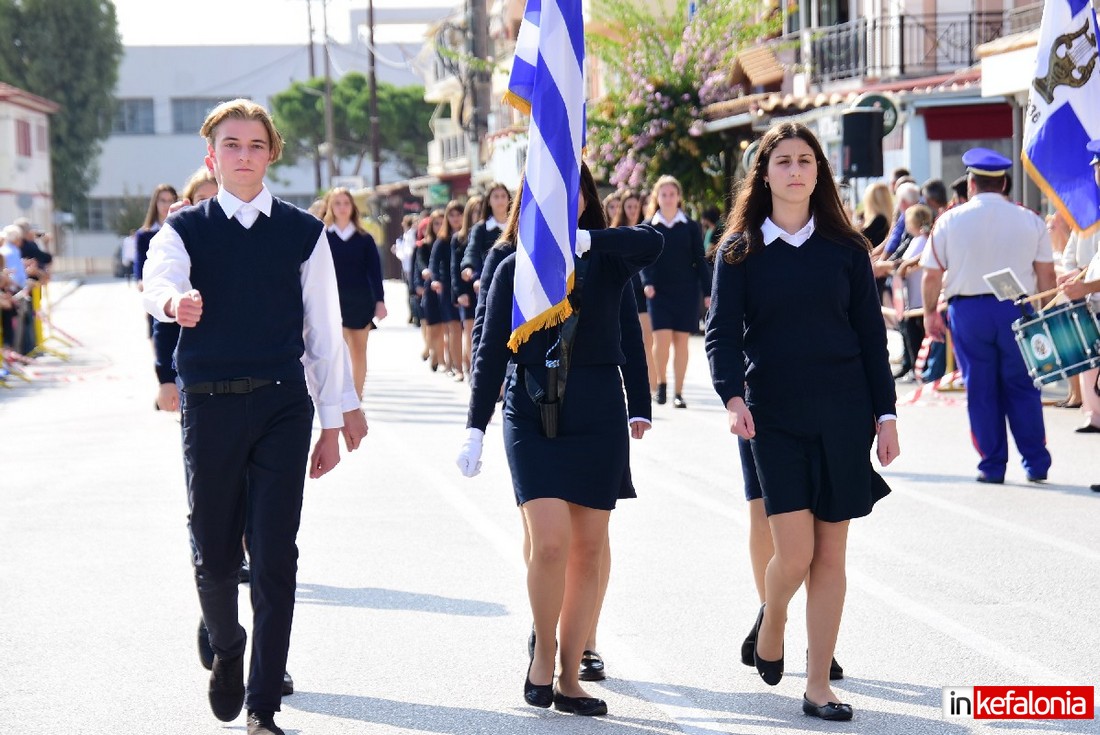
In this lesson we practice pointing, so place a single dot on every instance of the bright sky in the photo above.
(227, 22)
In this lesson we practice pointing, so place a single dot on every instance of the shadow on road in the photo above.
(382, 599)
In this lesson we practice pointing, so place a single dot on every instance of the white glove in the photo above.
(469, 458)
(584, 243)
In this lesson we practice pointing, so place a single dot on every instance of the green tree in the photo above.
(403, 128)
(67, 51)
(663, 69)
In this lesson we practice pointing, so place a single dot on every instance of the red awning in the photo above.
(968, 122)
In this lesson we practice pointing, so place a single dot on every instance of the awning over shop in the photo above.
(757, 67)
(968, 122)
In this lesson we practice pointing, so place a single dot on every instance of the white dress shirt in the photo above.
(344, 234)
(327, 366)
(659, 219)
(492, 223)
(772, 232)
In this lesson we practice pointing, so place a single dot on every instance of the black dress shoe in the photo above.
(678, 401)
(263, 723)
(990, 480)
(836, 672)
(662, 394)
(227, 687)
(244, 574)
(1087, 429)
(1036, 478)
(1095, 488)
(748, 646)
(288, 684)
(206, 653)
(587, 706)
(834, 711)
(770, 671)
(591, 667)
(538, 695)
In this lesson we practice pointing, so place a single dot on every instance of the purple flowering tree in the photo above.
(661, 68)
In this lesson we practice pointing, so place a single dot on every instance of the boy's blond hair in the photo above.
(242, 109)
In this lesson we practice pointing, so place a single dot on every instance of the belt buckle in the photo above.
(235, 385)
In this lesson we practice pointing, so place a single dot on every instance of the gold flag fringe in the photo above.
(513, 99)
(552, 317)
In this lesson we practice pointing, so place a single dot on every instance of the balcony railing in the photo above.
(901, 46)
(447, 152)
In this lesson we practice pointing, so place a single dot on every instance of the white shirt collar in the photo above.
(492, 223)
(772, 232)
(231, 204)
(659, 219)
(344, 234)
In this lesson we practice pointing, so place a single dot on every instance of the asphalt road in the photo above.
(412, 615)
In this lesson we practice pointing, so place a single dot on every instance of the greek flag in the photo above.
(547, 82)
(1063, 112)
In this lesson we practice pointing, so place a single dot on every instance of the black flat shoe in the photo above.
(538, 695)
(1036, 478)
(662, 394)
(1087, 429)
(586, 706)
(990, 480)
(748, 646)
(833, 711)
(770, 671)
(678, 401)
(288, 684)
(591, 667)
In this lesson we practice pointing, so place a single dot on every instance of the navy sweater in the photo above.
(493, 259)
(481, 239)
(358, 267)
(682, 261)
(142, 238)
(607, 330)
(250, 281)
(459, 287)
(792, 322)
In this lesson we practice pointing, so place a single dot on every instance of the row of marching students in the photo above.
(808, 467)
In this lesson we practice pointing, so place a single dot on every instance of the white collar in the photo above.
(772, 232)
(230, 204)
(491, 223)
(344, 234)
(659, 219)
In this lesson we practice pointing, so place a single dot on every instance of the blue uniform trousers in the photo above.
(997, 386)
(245, 459)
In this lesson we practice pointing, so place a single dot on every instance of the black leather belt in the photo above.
(960, 297)
(236, 385)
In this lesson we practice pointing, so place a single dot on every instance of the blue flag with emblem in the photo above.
(1063, 112)
(547, 82)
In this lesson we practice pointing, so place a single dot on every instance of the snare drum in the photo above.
(1059, 342)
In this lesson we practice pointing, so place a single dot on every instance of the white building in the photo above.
(165, 92)
(27, 190)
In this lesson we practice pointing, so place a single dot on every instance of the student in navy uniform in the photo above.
(463, 291)
(674, 285)
(439, 263)
(629, 215)
(493, 213)
(984, 235)
(431, 316)
(358, 278)
(810, 440)
(247, 412)
(163, 198)
(565, 494)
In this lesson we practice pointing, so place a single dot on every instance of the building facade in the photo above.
(27, 189)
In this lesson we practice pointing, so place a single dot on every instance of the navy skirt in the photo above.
(675, 307)
(818, 458)
(357, 309)
(588, 462)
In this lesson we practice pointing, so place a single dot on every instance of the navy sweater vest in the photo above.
(250, 281)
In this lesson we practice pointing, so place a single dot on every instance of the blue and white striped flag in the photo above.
(1063, 112)
(547, 82)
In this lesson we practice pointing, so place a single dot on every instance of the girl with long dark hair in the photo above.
(810, 440)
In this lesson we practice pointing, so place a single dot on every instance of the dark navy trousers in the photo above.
(998, 387)
(245, 458)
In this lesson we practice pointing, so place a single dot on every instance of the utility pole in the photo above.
(313, 75)
(330, 133)
(479, 82)
(375, 156)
